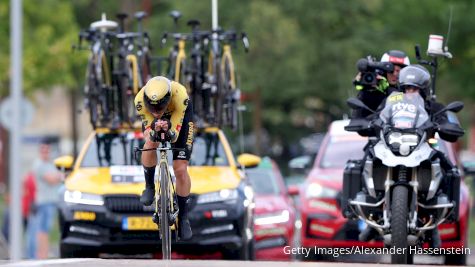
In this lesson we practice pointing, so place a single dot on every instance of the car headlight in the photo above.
(402, 142)
(79, 197)
(222, 195)
(272, 218)
(316, 190)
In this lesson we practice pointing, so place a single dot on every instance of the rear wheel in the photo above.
(230, 103)
(132, 82)
(399, 214)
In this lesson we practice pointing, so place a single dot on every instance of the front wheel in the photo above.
(399, 214)
(165, 201)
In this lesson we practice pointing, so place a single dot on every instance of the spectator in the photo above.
(48, 181)
(28, 198)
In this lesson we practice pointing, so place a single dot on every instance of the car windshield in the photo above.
(263, 182)
(118, 149)
(339, 150)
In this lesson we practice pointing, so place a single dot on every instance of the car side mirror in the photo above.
(300, 164)
(469, 167)
(293, 190)
(248, 160)
(64, 163)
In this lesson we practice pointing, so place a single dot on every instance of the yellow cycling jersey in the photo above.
(175, 110)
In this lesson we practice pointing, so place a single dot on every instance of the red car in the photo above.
(322, 222)
(274, 219)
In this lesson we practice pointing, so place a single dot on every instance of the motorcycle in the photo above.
(401, 188)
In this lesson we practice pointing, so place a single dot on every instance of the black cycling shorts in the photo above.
(186, 135)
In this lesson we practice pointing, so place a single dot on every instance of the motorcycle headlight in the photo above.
(222, 195)
(403, 143)
(316, 190)
(79, 197)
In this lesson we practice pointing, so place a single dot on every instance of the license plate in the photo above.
(139, 223)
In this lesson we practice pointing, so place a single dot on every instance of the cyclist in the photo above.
(164, 105)
(388, 83)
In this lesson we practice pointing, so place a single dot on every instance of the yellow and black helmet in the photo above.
(157, 94)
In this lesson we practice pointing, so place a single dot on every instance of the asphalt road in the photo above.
(178, 263)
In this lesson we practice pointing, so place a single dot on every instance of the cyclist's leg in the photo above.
(180, 167)
(149, 162)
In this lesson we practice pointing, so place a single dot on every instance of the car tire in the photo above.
(69, 252)
(252, 250)
(455, 259)
(241, 253)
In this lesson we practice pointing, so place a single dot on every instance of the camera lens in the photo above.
(368, 78)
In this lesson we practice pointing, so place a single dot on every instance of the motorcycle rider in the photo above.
(416, 79)
(373, 96)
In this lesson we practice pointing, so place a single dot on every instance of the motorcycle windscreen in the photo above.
(404, 111)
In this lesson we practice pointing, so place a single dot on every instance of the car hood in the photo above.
(332, 178)
(269, 204)
(99, 181)
(210, 179)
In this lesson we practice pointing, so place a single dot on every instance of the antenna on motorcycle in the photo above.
(446, 45)
(436, 48)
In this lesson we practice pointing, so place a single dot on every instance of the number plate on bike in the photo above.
(138, 223)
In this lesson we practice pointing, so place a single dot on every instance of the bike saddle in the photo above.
(121, 16)
(194, 23)
(175, 14)
(140, 15)
(104, 24)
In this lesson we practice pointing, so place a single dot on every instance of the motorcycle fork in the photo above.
(387, 196)
(413, 205)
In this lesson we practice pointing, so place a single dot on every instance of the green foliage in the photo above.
(49, 30)
(302, 56)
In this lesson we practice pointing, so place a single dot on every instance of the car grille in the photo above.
(131, 204)
(126, 204)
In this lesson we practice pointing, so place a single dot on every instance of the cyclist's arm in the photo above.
(142, 112)
(180, 103)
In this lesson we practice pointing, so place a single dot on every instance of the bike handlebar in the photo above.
(227, 36)
(166, 148)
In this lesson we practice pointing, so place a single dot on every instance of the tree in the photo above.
(47, 40)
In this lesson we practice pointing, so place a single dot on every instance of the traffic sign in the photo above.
(6, 112)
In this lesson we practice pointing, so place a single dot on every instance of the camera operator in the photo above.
(376, 80)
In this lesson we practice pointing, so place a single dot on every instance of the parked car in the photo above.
(101, 199)
(322, 222)
(274, 212)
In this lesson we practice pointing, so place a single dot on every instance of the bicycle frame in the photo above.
(228, 56)
(180, 57)
(166, 207)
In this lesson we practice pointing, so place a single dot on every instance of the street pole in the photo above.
(16, 74)
(214, 14)
(214, 24)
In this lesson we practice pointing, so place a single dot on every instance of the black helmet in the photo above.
(417, 76)
(396, 57)
(157, 94)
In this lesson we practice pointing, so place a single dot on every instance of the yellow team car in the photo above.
(101, 211)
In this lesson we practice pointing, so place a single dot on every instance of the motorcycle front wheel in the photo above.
(399, 214)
